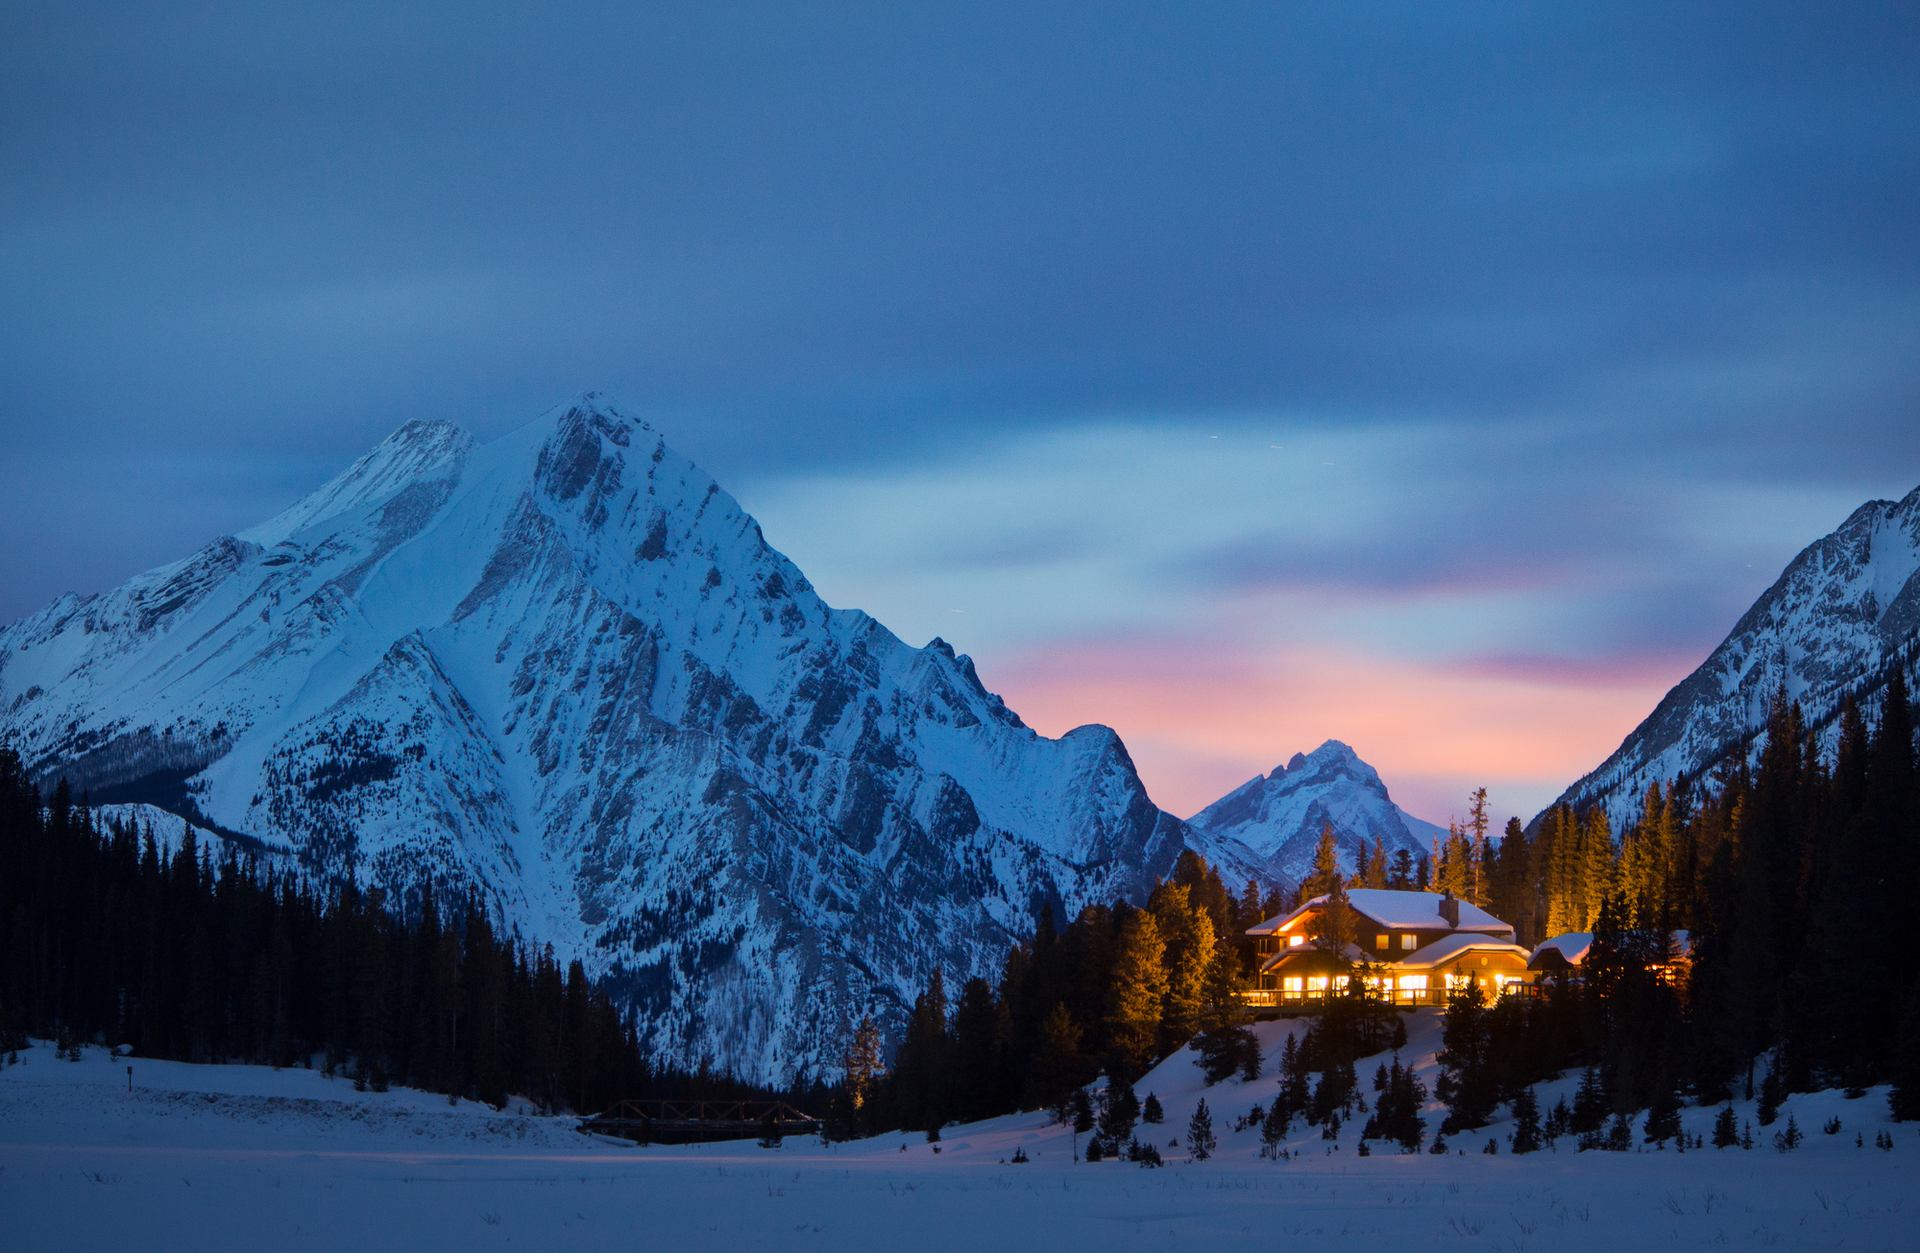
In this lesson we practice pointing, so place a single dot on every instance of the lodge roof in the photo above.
(1448, 947)
(1572, 947)
(1351, 955)
(1393, 908)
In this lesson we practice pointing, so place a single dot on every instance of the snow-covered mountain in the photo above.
(563, 670)
(1841, 612)
(1280, 815)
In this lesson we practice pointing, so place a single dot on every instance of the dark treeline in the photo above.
(1113, 991)
(104, 938)
(1755, 924)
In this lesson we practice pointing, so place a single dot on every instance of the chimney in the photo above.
(1450, 910)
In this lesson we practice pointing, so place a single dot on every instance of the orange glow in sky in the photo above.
(1194, 719)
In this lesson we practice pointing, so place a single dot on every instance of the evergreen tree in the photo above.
(1200, 1141)
(1326, 866)
(1903, 1102)
(1137, 995)
(861, 1066)
(1591, 1101)
(1526, 1122)
(1119, 1110)
(1273, 1130)
(1467, 1083)
(1057, 1066)
(1476, 830)
(1663, 1119)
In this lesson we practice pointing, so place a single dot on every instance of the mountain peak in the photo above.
(564, 671)
(1845, 608)
(1332, 755)
(1280, 815)
(418, 450)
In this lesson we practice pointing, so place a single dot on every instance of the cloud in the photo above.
(1535, 339)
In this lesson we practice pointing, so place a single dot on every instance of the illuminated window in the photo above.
(1413, 983)
(1317, 983)
(1409, 941)
(1290, 984)
(1380, 941)
(1295, 941)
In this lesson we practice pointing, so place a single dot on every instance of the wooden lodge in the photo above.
(1409, 948)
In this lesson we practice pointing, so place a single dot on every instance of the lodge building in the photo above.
(1411, 948)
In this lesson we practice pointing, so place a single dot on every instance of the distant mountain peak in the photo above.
(1280, 815)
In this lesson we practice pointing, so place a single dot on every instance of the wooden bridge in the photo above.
(696, 1122)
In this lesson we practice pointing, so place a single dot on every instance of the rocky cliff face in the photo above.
(563, 670)
(1843, 610)
(1280, 815)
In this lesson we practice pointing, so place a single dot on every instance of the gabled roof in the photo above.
(1571, 947)
(1393, 909)
(1351, 955)
(1448, 947)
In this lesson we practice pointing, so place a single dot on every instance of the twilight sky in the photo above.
(1444, 379)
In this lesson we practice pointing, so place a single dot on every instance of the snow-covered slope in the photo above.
(1841, 612)
(563, 670)
(246, 1158)
(1279, 816)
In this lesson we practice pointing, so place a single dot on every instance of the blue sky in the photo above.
(1172, 360)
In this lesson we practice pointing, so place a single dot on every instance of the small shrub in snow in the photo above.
(1831, 1127)
(1151, 1111)
(1788, 1140)
(1726, 1131)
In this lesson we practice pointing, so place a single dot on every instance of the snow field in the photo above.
(235, 1157)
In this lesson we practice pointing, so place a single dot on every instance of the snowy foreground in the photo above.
(219, 1157)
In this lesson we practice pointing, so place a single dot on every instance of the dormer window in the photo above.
(1380, 942)
(1408, 941)
(1295, 941)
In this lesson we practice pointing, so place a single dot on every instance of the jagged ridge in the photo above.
(564, 671)
(1843, 610)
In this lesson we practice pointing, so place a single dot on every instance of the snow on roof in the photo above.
(1351, 954)
(1393, 908)
(1574, 946)
(1448, 947)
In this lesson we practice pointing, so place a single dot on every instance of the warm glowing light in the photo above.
(1200, 720)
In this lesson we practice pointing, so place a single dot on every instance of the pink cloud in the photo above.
(1201, 719)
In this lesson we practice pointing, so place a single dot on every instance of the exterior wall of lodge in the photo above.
(1381, 945)
(1309, 983)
